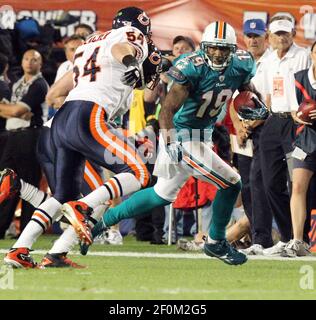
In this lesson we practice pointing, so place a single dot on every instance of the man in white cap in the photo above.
(278, 133)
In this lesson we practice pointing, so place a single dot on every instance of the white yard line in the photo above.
(170, 255)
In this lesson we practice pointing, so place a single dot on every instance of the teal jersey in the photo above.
(210, 90)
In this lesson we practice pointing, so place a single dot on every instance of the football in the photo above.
(244, 99)
(305, 107)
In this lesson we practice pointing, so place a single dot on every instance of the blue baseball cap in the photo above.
(255, 26)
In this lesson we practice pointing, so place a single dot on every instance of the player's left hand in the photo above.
(131, 75)
(312, 114)
(145, 146)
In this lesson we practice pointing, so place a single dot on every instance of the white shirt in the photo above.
(97, 73)
(279, 77)
(63, 69)
(258, 79)
(311, 77)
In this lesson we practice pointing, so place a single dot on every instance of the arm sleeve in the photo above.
(35, 95)
(5, 92)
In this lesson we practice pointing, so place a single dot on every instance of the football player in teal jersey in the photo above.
(203, 82)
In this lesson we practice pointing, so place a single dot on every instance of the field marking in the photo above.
(170, 255)
(172, 292)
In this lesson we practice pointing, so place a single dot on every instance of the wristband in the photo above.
(129, 60)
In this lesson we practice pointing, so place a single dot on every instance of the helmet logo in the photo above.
(155, 58)
(143, 19)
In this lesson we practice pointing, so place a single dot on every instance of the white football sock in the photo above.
(65, 242)
(210, 240)
(32, 194)
(120, 185)
(42, 218)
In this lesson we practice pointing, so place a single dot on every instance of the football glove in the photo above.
(175, 151)
(260, 112)
(131, 75)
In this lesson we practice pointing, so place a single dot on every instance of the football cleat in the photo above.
(225, 252)
(58, 260)
(19, 258)
(100, 230)
(9, 184)
(78, 213)
(84, 248)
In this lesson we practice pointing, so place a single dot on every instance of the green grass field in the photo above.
(133, 277)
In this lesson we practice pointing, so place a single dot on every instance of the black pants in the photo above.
(276, 142)
(253, 194)
(19, 154)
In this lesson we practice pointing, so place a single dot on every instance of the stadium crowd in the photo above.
(274, 157)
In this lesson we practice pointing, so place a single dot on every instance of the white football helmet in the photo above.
(219, 34)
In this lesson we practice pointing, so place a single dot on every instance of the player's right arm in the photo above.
(131, 53)
(242, 131)
(121, 50)
(172, 103)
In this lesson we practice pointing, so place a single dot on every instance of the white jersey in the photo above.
(97, 73)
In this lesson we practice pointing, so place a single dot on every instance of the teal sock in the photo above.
(137, 204)
(223, 206)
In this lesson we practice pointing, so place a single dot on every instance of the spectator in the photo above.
(5, 92)
(24, 116)
(253, 194)
(71, 44)
(5, 95)
(278, 16)
(83, 30)
(182, 45)
(303, 168)
(278, 133)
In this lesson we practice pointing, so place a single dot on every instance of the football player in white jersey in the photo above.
(106, 69)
